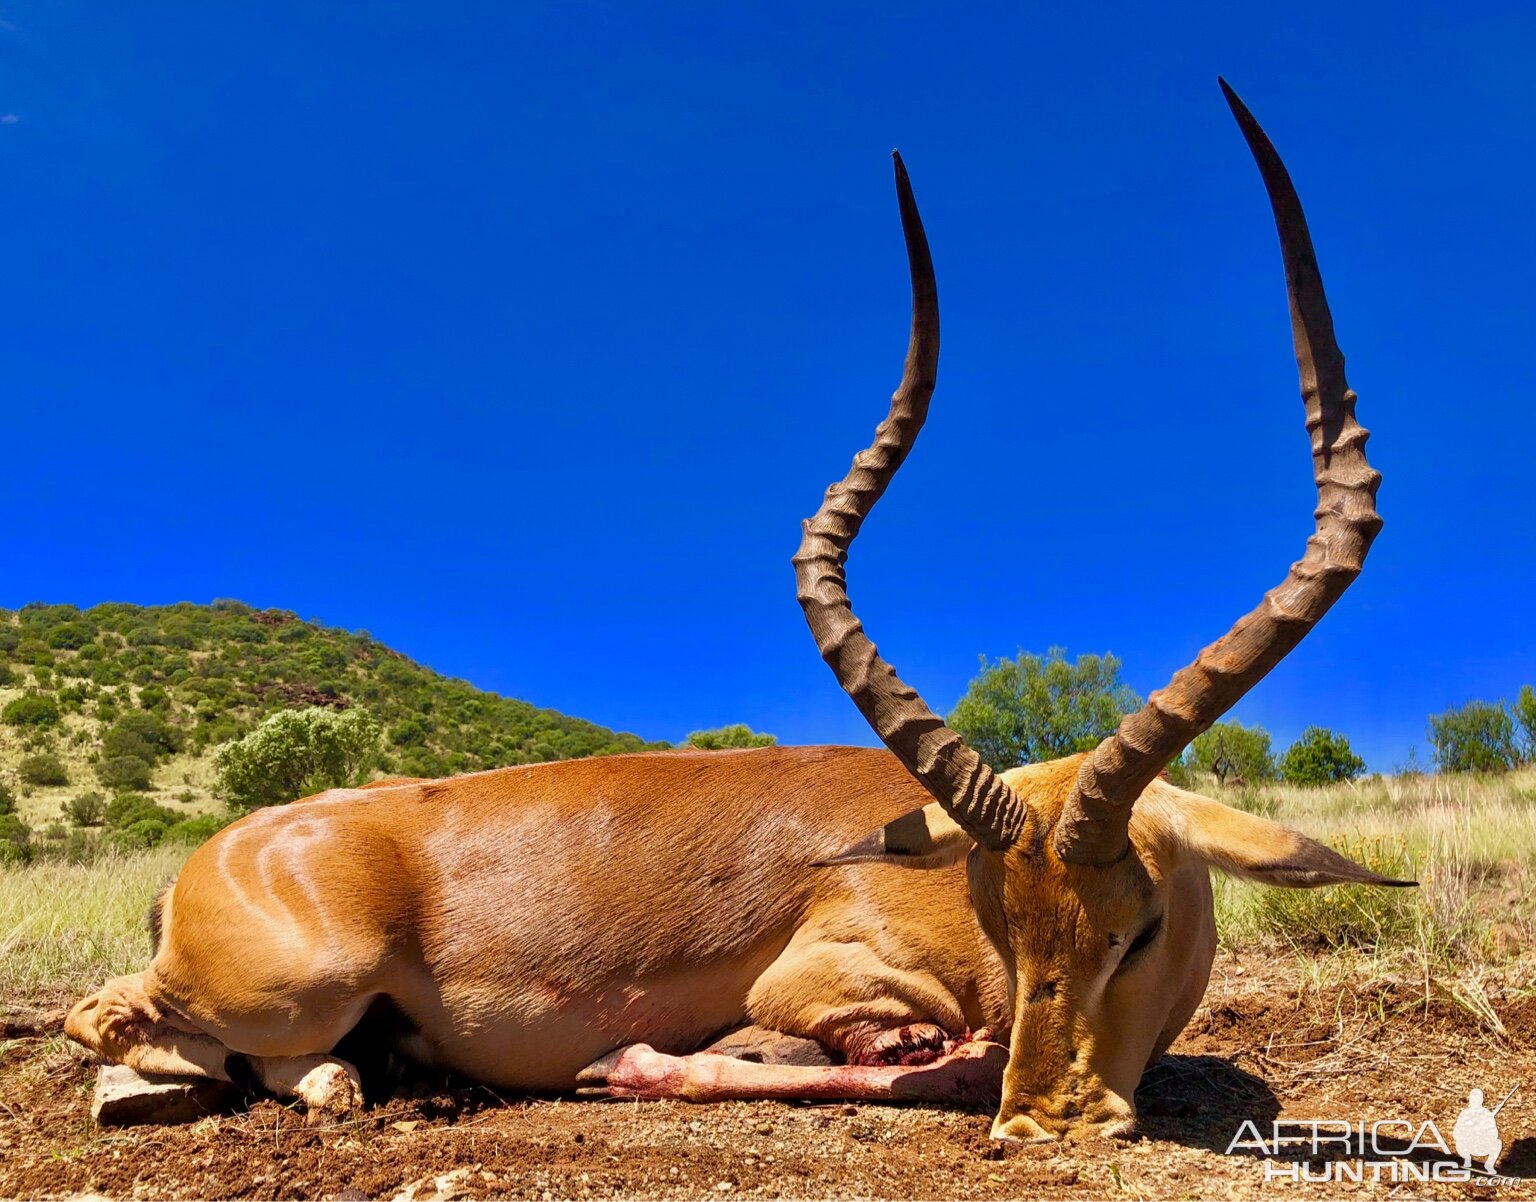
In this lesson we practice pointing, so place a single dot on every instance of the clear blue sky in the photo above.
(524, 335)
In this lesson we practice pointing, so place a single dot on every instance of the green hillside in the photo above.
(168, 684)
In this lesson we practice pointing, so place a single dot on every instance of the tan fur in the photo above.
(530, 920)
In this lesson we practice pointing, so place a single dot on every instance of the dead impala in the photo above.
(549, 927)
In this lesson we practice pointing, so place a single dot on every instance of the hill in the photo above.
(186, 678)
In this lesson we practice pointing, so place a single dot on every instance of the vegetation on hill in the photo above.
(129, 699)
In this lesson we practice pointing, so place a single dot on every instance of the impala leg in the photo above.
(123, 1024)
(329, 1087)
(970, 1075)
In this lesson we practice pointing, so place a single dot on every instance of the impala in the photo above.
(551, 927)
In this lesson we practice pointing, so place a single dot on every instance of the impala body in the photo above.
(527, 921)
(591, 924)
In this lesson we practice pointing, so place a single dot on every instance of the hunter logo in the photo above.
(1394, 1150)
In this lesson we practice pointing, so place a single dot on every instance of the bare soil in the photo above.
(1262, 1047)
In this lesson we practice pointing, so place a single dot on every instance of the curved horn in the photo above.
(986, 807)
(1093, 824)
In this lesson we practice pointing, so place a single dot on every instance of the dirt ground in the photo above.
(1262, 1047)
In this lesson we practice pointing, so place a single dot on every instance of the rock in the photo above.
(124, 1098)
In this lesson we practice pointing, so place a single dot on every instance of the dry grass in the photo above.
(1470, 841)
(64, 927)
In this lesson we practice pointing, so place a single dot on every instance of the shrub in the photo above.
(10, 638)
(7, 675)
(142, 834)
(199, 829)
(297, 752)
(1342, 916)
(70, 636)
(1476, 737)
(30, 709)
(124, 772)
(88, 809)
(739, 735)
(153, 696)
(15, 840)
(1525, 714)
(128, 808)
(7, 800)
(1319, 757)
(44, 769)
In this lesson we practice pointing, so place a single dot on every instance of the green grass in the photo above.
(66, 927)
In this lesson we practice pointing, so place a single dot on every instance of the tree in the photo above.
(739, 735)
(1033, 708)
(1319, 757)
(295, 753)
(1525, 714)
(1230, 750)
(1476, 737)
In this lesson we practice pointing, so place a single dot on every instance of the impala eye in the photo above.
(1142, 941)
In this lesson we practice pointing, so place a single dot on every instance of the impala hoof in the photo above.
(332, 1092)
(1021, 1129)
(635, 1071)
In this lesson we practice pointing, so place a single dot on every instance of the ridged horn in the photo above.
(938, 757)
(1092, 828)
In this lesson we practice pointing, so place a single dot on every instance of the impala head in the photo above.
(1089, 874)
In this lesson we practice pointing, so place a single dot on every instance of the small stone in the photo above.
(724, 1187)
(849, 1110)
(124, 1098)
(764, 1128)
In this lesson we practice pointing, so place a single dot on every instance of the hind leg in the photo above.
(847, 997)
(123, 1024)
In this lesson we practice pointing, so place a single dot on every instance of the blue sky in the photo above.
(523, 335)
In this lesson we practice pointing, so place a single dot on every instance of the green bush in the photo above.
(44, 770)
(7, 800)
(142, 834)
(295, 753)
(88, 809)
(1341, 916)
(70, 636)
(124, 772)
(10, 638)
(1319, 757)
(7, 675)
(199, 829)
(739, 735)
(128, 808)
(15, 840)
(30, 709)
(1476, 737)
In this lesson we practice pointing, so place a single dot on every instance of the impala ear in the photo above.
(925, 838)
(1257, 849)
